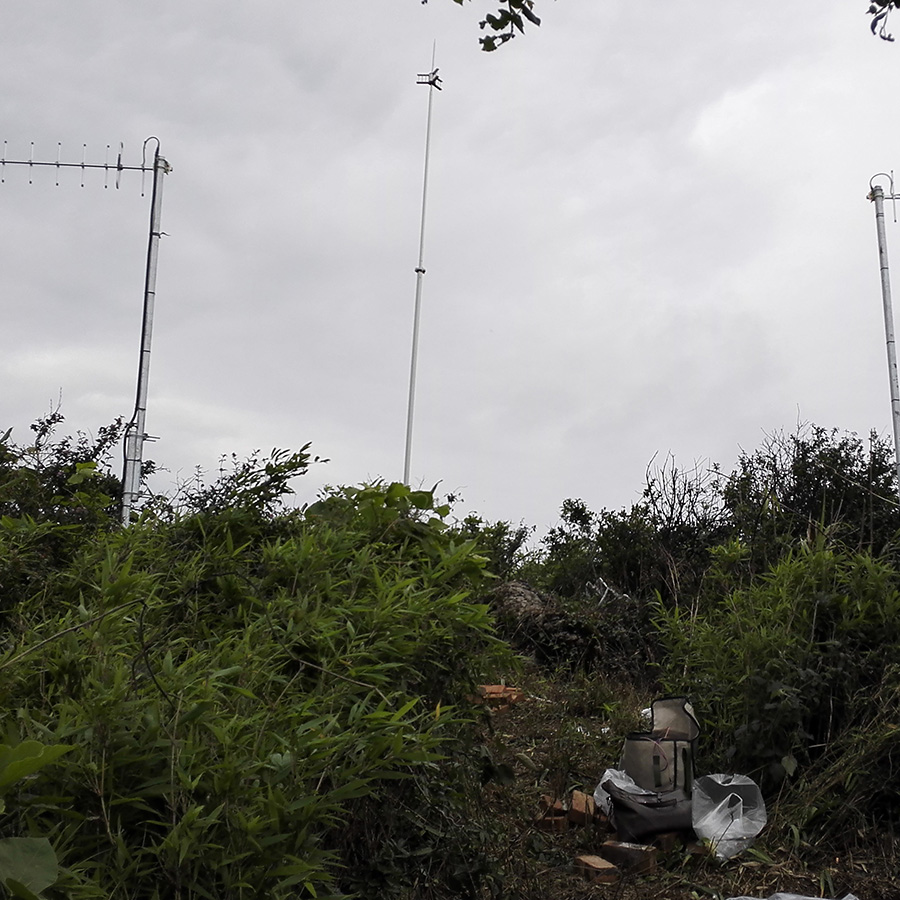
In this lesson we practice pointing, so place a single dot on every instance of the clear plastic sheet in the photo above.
(620, 779)
(729, 812)
(781, 896)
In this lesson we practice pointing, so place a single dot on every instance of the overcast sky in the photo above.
(647, 233)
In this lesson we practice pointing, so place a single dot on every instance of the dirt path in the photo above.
(554, 742)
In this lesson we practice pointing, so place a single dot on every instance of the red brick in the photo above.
(553, 824)
(668, 841)
(581, 808)
(551, 806)
(596, 869)
(498, 695)
(636, 858)
(551, 815)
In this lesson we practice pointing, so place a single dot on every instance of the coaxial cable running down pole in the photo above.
(432, 79)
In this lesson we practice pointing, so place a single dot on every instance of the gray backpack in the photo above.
(662, 759)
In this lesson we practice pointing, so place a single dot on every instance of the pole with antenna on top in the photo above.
(135, 434)
(876, 194)
(432, 79)
(134, 430)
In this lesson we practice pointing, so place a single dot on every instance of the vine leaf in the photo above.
(508, 19)
(880, 10)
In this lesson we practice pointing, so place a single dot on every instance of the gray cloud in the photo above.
(647, 232)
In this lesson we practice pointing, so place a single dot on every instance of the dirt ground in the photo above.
(562, 736)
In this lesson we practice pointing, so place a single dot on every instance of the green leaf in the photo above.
(421, 499)
(83, 471)
(395, 492)
(400, 713)
(30, 862)
(26, 758)
(498, 23)
(194, 713)
(17, 889)
(526, 11)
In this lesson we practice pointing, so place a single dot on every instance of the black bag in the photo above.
(637, 815)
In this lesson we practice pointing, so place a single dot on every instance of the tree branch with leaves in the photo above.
(880, 10)
(509, 19)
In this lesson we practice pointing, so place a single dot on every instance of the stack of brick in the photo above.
(497, 696)
(613, 858)
(552, 815)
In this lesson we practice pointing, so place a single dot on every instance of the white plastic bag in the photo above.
(729, 812)
(781, 896)
(620, 779)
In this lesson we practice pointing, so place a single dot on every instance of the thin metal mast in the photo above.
(877, 195)
(432, 79)
(135, 433)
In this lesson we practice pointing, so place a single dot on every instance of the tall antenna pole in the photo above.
(877, 195)
(433, 81)
(135, 434)
(134, 431)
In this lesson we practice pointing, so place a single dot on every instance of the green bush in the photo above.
(504, 545)
(62, 480)
(785, 666)
(55, 494)
(813, 479)
(242, 684)
(265, 701)
(776, 496)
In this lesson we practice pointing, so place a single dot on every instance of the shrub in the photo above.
(785, 666)
(813, 479)
(241, 684)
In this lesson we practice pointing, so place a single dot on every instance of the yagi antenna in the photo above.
(106, 166)
(135, 435)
